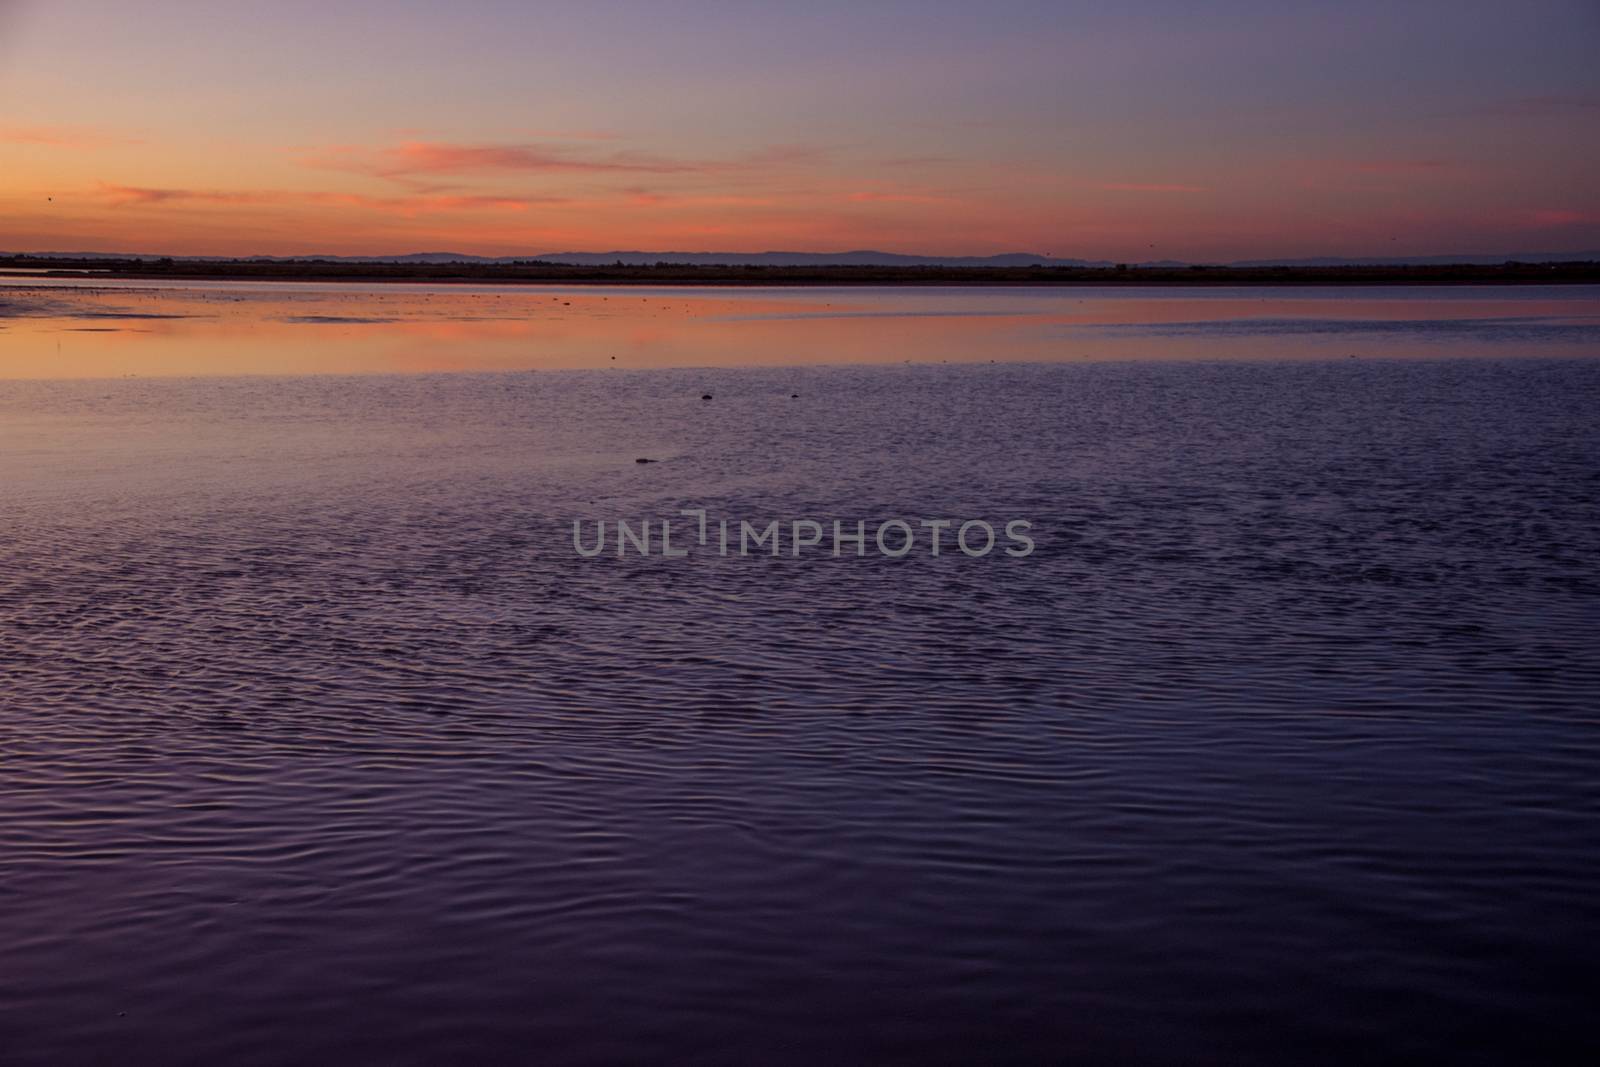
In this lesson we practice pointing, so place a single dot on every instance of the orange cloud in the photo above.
(407, 206)
(132, 194)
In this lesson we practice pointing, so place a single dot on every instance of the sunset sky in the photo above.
(1093, 130)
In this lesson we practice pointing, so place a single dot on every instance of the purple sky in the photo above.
(1099, 130)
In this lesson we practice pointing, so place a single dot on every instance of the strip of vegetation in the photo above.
(690, 274)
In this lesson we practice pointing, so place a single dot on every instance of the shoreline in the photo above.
(22, 269)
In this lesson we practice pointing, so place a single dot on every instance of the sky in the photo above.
(1096, 130)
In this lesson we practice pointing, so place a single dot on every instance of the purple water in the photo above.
(320, 744)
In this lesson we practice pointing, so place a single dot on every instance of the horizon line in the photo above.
(1573, 255)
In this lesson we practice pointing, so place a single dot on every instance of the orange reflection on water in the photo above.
(67, 330)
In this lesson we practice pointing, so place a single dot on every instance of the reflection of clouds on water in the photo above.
(378, 320)
(118, 313)
(335, 320)
(297, 327)
(781, 316)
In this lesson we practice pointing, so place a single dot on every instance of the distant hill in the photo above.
(863, 258)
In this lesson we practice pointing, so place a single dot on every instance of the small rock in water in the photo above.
(645, 459)
(705, 396)
(794, 396)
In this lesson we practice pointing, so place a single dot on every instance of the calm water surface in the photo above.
(70, 328)
(319, 744)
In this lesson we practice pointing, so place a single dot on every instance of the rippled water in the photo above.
(319, 743)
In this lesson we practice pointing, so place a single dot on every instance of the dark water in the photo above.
(319, 744)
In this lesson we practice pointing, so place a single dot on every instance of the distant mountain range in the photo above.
(848, 259)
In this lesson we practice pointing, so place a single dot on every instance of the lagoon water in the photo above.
(320, 744)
